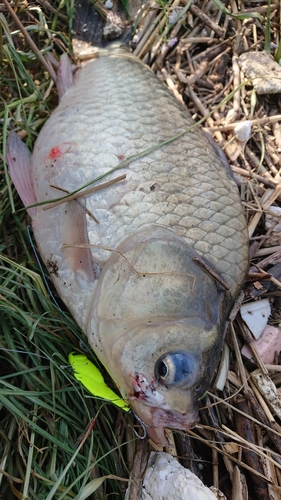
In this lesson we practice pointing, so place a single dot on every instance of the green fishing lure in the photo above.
(90, 376)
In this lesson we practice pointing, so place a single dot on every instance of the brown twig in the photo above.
(211, 272)
(252, 175)
(205, 19)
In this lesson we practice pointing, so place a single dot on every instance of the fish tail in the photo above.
(98, 25)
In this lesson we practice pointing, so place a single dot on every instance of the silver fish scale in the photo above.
(118, 108)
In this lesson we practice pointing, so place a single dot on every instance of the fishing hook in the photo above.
(144, 426)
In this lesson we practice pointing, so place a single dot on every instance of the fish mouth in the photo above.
(173, 419)
(155, 420)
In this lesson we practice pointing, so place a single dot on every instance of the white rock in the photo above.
(263, 70)
(166, 479)
(255, 315)
(243, 131)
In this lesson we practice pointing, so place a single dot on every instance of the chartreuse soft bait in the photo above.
(90, 376)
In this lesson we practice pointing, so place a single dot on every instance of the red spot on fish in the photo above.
(55, 153)
(141, 386)
(121, 157)
(138, 395)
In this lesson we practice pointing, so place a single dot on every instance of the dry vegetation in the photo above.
(45, 452)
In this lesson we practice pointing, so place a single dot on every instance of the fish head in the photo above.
(169, 366)
(157, 326)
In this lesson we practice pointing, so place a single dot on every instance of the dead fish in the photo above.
(149, 266)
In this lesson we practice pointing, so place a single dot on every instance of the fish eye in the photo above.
(176, 368)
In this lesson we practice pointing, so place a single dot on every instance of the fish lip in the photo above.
(154, 417)
(173, 419)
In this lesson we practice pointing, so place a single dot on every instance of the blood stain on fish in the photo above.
(55, 153)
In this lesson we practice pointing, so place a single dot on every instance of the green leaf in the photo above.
(245, 15)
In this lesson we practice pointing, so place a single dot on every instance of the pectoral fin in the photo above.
(75, 240)
(19, 163)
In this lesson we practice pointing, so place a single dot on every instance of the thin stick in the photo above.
(269, 251)
(85, 192)
(236, 83)
(268, 198)
(170, 83)
(273, 368)
(205, 19)
(260, 422)
(271, 278)
(237, 437)
(272, 428)
(262, 402)
(48, 6)
(211, 272)
(239, 357)
(256, 121)
(215, 463)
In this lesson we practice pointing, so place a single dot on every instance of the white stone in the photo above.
(166, 479)
(264, 72)
(243, 131)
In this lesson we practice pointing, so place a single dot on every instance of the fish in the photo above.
(151, 255)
